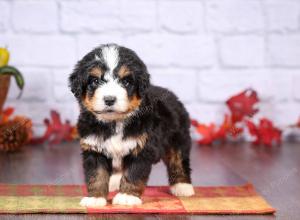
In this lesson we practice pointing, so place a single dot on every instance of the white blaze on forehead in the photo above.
(112, 86)
(110, 56)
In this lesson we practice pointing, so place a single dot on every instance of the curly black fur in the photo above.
(160, 115)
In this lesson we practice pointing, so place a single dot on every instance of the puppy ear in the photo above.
(78, 78)
(77, 81)
(75, 85)
(143, 84)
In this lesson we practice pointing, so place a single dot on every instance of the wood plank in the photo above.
(274, 172)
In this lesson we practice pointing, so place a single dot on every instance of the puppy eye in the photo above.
(94, 81)
(126, 82)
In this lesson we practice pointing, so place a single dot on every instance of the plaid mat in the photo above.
(66, 198)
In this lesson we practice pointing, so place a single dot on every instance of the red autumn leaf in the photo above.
(265, 133)
(5, 114)
(207, 133)
(242, 105)
(228, 128)
(56, 131)
(253, 130)
(210, 133)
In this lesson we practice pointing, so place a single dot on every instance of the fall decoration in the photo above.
(5, 72)
(242, 105)
(15, 133)
(56, 130)
(264, 133)
(211, 133)
(242, 109)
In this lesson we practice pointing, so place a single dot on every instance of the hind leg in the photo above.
(178, 167)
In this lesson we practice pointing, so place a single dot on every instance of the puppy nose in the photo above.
(109, 100)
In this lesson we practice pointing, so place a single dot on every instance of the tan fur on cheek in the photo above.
(88, 102)
(134, 103)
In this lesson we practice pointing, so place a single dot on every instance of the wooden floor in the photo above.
(273, 171)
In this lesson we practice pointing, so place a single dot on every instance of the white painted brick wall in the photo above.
(234, 15)
(203, 50)
(5, 15)
(173, 16)
(37, 16)
(242, 51)
(284, 50)
(282, 15)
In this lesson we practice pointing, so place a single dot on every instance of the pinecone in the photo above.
(14, 134)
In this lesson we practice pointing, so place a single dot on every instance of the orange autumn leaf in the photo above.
(6, 114)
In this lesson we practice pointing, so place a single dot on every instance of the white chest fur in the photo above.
(114, 147)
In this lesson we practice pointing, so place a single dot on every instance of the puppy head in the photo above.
(110, 82)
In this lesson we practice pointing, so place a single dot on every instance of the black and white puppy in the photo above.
(126, 125)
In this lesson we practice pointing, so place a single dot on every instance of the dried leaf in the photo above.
(6, 114)
(242, 105)
(56, 131)
(265, 133)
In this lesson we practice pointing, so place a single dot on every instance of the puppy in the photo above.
(126, 124)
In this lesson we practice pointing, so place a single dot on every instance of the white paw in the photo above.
(182, 189)
(125, 199)
(93, 201)
(114, 182)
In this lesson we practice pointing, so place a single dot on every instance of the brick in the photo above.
(179, 51)
(206, 112)
(35, 16)
(219, 85)
(234, 16)
(242, 51)
(169, 79)
(41, 50)
(37, 85)
(147, 46)
(94, 16)
(5, 14)
(296, 87)
(68, 112)
(281, 81)
(282, 115)
(137, 15)
(181, 17)
(284, 50)
(282, 15)
(88, 42)
(189, 51)
(61, 90)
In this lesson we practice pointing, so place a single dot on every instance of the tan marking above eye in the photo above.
(124, 71)
(96, 71)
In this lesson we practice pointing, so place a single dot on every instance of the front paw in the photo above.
(182, 189)
(125, 199)
(93, 201)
